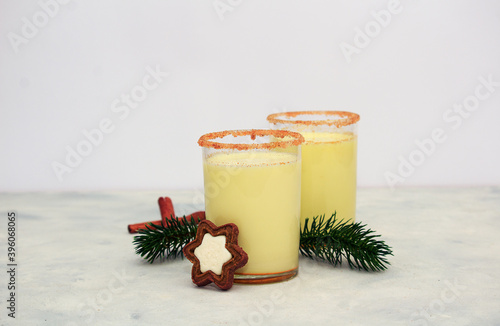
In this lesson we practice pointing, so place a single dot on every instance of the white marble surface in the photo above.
(77, 266)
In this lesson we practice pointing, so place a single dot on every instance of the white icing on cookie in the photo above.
(212, 253)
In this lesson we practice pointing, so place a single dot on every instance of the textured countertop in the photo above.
(77, 266)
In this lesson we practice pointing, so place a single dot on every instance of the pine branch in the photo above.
(164, 242)
(330, 240)
(326, 240)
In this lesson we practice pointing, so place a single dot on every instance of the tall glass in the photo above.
(252, 179)
(329, 160)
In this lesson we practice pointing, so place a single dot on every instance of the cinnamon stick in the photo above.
(166, 209)
(134, 228)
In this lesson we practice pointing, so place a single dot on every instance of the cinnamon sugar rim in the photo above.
(207, 139)
(346, 118)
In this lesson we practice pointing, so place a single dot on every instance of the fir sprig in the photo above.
(323, 239)
(332, 240)
(158, 241)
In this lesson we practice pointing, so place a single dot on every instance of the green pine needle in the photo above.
(330, 240)
(327, 240)
(158, 241)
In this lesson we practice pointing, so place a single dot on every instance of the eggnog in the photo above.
(329, 160)
(329, 175)
(259, 191)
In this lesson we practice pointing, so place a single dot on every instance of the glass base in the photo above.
(265, 278)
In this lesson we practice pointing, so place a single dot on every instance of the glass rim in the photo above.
(207, 140)
(346, 118)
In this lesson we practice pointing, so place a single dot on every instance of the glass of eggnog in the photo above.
(329, 161)
(252, 179)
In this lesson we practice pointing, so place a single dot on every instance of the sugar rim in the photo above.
(206, 139)
(347, 118)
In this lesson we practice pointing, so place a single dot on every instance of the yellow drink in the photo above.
(260, 193)
(329, 175)
(329, 159)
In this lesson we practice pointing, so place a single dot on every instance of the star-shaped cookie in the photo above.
(215, 254)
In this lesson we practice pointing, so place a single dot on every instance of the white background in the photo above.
(229, 70)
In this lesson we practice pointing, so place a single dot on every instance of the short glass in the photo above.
(329, 160)
(252, 179)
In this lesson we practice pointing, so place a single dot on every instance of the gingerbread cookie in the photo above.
(215, 254)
